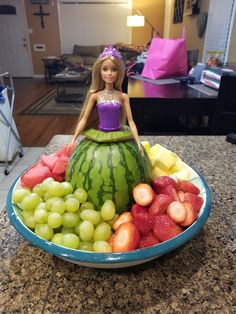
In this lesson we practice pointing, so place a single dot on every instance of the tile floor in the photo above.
(31, 154)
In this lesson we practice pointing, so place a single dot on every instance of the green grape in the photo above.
(76, 228)
(40, 215)
(102, 232)
(71, 241)
(81, 195)
(102, 247)
(108, 210)
(70, 220)
(44, 231)
(30, 201)
(86, 231)
(54, 220)
(100, 219)
(30, 221)
(26, 214)
(90, 215)
(86, 205)
(19, 194)
(55, 188)
(65, 230)
(72, 205)
(68, 189)
(85, 246)
(41, 206)
(56, 204)
(113, 219)
(38, 189)
(46, 182)
(46, 196)
(58, 238)
(69, 196)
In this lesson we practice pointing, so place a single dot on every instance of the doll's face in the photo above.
(109, 71)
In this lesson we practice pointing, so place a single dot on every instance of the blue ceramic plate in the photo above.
(115, 260)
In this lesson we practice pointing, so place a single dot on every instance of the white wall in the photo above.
(93, 23)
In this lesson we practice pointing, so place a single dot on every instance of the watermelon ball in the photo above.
(108, 171)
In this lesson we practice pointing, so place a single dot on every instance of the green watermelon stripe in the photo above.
(108, 171)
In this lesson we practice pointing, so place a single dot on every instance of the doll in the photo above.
(106, 108)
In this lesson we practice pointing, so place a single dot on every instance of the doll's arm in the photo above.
(130, 120)
(83, 121)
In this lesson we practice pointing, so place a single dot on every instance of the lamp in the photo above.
(139, 20)
(135, 20)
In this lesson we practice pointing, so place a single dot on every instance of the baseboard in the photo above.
(38, 76)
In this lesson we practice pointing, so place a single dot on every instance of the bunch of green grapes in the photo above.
(57, 213)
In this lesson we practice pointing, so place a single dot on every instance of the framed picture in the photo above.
(178, 11)
(191, 7)
(39, 1)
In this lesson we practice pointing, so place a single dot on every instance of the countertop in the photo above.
(198, 277)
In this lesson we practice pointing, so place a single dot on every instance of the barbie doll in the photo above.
(106, 108)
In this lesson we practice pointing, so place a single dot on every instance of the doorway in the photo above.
(15, 56)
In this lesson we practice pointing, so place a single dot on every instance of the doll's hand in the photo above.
(140, 147)
(72, 145)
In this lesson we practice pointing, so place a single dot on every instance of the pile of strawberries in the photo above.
(161, 212)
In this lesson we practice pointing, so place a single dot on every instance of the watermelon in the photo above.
(108, 170)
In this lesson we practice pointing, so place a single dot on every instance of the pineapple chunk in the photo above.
(165, 159)
(158, 172)
(146, 145)
(181, 175)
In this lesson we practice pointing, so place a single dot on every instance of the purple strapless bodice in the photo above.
(109, 116)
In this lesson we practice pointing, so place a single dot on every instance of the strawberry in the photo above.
(49, 160)
(191, 215)
(126, 238)
(148, 240)
(194, 199)
(177, 211)
(143, 194)
(160, 204)
(144, 222)
(136, 208)
(170, 190)
(187, 186)
(181, 195)
(124, 217)
(160, 183)
(165, 228)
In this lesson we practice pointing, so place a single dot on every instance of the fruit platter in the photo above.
(109, 218)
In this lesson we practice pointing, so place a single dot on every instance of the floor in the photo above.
(31, 154)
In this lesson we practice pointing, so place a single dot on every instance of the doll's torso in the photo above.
(109, 109)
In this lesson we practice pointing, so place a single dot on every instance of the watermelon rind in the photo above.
(111, 136)
(108, 171)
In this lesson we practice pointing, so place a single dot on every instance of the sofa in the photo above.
(87, 55)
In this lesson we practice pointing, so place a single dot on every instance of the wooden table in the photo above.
(170, 108)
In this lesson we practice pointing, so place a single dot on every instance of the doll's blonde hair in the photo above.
(98, 84)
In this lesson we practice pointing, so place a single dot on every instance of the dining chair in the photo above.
(224, 119)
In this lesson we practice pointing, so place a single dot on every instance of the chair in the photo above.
(224, 119)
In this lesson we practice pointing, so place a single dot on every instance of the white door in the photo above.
(15, 56)
(221, 16)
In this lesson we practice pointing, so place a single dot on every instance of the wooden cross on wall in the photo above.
(41, 14)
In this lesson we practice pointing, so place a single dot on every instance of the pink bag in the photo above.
(166, 58)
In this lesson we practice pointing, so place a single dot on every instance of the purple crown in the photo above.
(110, 51)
